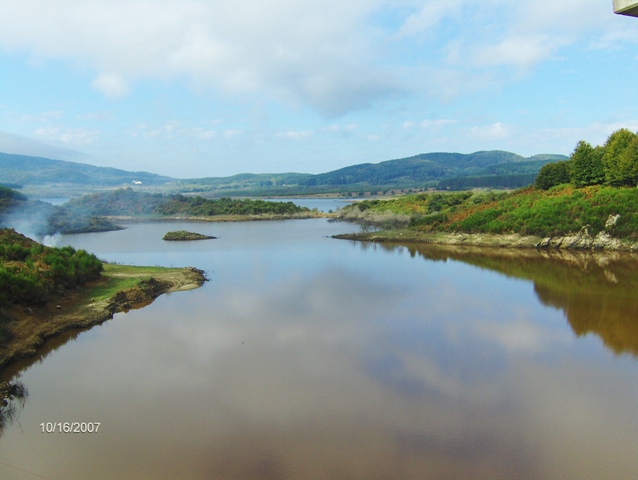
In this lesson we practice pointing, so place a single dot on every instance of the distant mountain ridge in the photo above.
(450, 170)
(28, 170)
(428, 167)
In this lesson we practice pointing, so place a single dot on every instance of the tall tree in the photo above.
(586, 165)
(616, 144)
(552, 174)
(628, 163)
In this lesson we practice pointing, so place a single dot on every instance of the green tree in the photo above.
(628, 163)
(586, 165)
(552, 174)
(616, 144)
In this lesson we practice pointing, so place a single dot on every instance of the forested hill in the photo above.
(440, 170)
(16, 170)
(433, 167)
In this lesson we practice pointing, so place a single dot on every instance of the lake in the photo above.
(306, 357)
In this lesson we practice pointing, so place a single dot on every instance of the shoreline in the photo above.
(120, 289)
(578, 241)
(220, 218)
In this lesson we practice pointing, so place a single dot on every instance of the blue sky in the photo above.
(194, 88)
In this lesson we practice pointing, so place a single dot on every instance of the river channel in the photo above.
(306, 357)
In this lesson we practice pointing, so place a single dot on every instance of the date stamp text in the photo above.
(70, 427)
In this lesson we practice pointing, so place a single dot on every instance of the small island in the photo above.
(183, 235)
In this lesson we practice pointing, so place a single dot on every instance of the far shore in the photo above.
(121, 288)
(220, 218)
(578, 241)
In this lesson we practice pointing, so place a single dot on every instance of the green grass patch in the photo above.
(557, 211)
(123, 277)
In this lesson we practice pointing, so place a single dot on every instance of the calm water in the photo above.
(307, 357)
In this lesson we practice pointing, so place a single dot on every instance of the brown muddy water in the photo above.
(307, 357)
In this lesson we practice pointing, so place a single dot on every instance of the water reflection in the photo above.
(12, 370)
(307, 357)
(595, 290)
(12, 398)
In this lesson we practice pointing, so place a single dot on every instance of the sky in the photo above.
(209, 88)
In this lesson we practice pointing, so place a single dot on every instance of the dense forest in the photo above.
(129, 202)
(615, 163)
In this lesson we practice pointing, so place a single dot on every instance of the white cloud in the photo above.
(327, 56)
(530, 32)
(431, 13)
(595, 133)
(494, 131)
(11, 143)
(74, 137)
(203, 134)
(295, 135)
(42, 117)
(111, 85)
(343, 129)
(517, 51)
(232, 133)
(436, 123)
(521, 335)
(309, 53)
(96, 116)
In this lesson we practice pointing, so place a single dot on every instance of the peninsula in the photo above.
(46, 291)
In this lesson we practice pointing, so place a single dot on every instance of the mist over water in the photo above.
(308, 357)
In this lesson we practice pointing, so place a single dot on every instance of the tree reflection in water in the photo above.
(12, 398)
(595, 290)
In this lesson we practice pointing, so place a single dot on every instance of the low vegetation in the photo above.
(558, 211)
(183, 235)
(31, 274)
(128, 202)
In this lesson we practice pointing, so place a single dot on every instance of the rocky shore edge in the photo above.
(581, 240)
(69, 313)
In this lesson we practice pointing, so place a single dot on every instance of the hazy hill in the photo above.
(445, 170)
(41, 218)
(420, 168)
(27, 170)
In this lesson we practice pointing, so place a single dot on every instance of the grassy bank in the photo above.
(558, 212)
(120, 288)
(45, 291)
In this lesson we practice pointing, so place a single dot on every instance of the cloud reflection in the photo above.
(385, 366)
